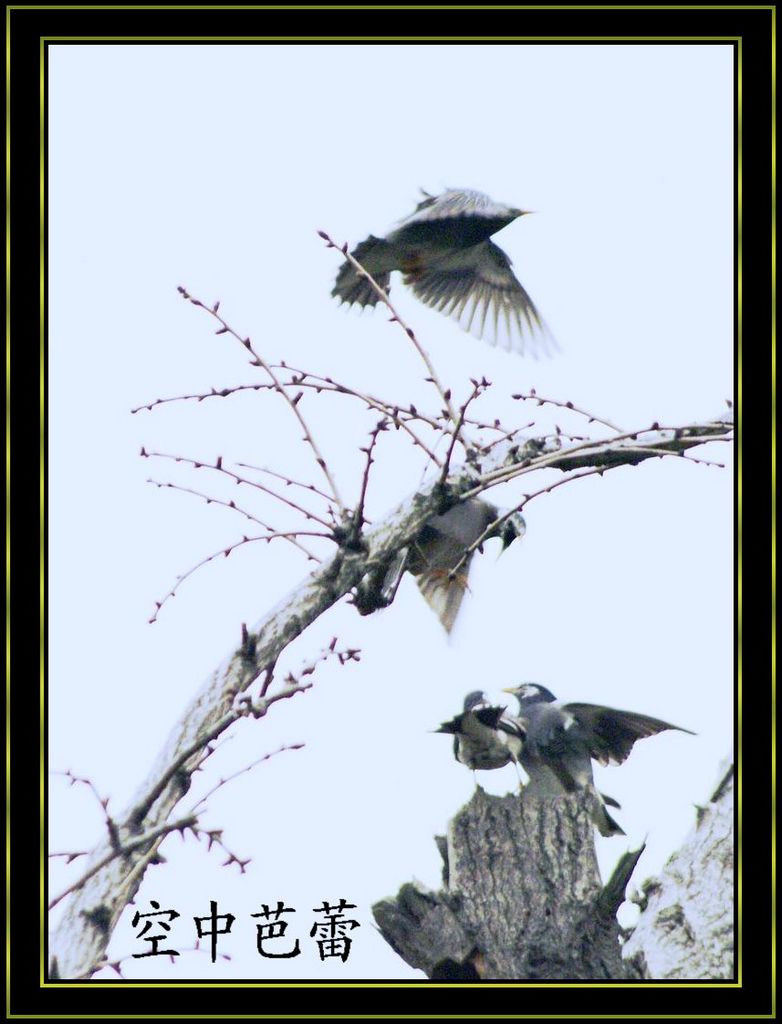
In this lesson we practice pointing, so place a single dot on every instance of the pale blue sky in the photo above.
(213, 167)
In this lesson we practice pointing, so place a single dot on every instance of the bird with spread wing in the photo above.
(444, 252)
(562, 740)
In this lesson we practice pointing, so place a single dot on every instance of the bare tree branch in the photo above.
(258, 360)
(80, 941)
(289, 481)
(238, 479)
(444, 393)
(533, 396)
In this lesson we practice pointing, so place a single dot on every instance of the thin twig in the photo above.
(289, 535)
(211, 500)
(477, 388)
(103, 803)
(326, 384)
(241, 710)
(245, 706)
(546, 461)
(445, 394)
(218, 467)
(391, 409)
(358, 515)
(508, 435)
(258, 360)
(288, 480)
(267, 682)
(114, 965)
(394, 412)
(200, 396)
(533, 396)
(242, 771)
(493, 526)
(125, 848)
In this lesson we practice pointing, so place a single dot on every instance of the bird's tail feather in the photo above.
(375, 255)
(444, 595)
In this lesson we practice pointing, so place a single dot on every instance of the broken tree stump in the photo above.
(522, 897)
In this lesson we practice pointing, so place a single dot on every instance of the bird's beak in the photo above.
(509, 689)
(524, 213)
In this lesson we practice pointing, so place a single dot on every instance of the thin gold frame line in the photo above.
(43, 40)
(210, 39)
(8, 498)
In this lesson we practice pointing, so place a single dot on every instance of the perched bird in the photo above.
(562, 740)
(439, 548)
(443, 251)
(484, 737)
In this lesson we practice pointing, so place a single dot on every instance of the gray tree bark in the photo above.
(686, 929)
(522, 899)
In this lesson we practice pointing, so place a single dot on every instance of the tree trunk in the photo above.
(522, 897)
(686, 929)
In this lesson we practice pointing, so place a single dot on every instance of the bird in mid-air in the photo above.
(444, 251)
(484, 737)
(440, 546)
(562, 740)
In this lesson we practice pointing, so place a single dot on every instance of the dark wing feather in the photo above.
(489, 716)
(611, 734)
(376, 257)
(477, 285)
(393, 575)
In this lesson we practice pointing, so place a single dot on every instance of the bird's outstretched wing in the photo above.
(478, 289)
(612, 734)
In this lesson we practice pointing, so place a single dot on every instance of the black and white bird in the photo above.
(444, 251)
(563, 739)
(484, 737)
(439, 548)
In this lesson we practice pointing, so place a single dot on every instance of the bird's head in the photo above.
(531, 693)
(472, 700)
(512, 528)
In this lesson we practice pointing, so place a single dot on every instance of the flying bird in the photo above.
(440, 546)
(444, 251)
(563, 739)
(484, 737)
